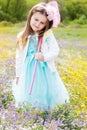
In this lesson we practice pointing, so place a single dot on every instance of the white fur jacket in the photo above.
(49, 49)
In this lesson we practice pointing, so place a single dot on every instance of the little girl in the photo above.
(48, 90)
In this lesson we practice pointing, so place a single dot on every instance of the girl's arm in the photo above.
(18, 59)
(52, 49)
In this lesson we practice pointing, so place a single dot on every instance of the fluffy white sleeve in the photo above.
(18, 62)
(53, 48)
(19, 58)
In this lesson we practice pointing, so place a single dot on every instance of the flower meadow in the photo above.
(72, 67)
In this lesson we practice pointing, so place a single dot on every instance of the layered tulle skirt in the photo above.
(48, 89)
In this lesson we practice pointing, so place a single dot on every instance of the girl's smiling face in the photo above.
(38, 22)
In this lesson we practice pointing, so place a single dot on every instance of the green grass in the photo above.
(71, 32)
(6, 27)
(78, 32)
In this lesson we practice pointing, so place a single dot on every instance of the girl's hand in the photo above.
(39, 56)
(17, 79)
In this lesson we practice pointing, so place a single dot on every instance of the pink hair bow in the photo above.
(53, 13)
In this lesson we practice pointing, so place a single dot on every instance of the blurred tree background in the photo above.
(17, 10)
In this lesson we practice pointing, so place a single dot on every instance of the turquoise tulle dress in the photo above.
(48, 90)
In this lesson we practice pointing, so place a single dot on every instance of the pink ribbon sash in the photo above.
(35, 67)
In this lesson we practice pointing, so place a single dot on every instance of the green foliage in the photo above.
(17, 10)
(31, 3)
(13, 10)
(6, 99)
(81, 20)
(64, 113)
(73, 9)
(76, 9)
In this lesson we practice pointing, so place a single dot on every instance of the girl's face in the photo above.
(38, 22)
